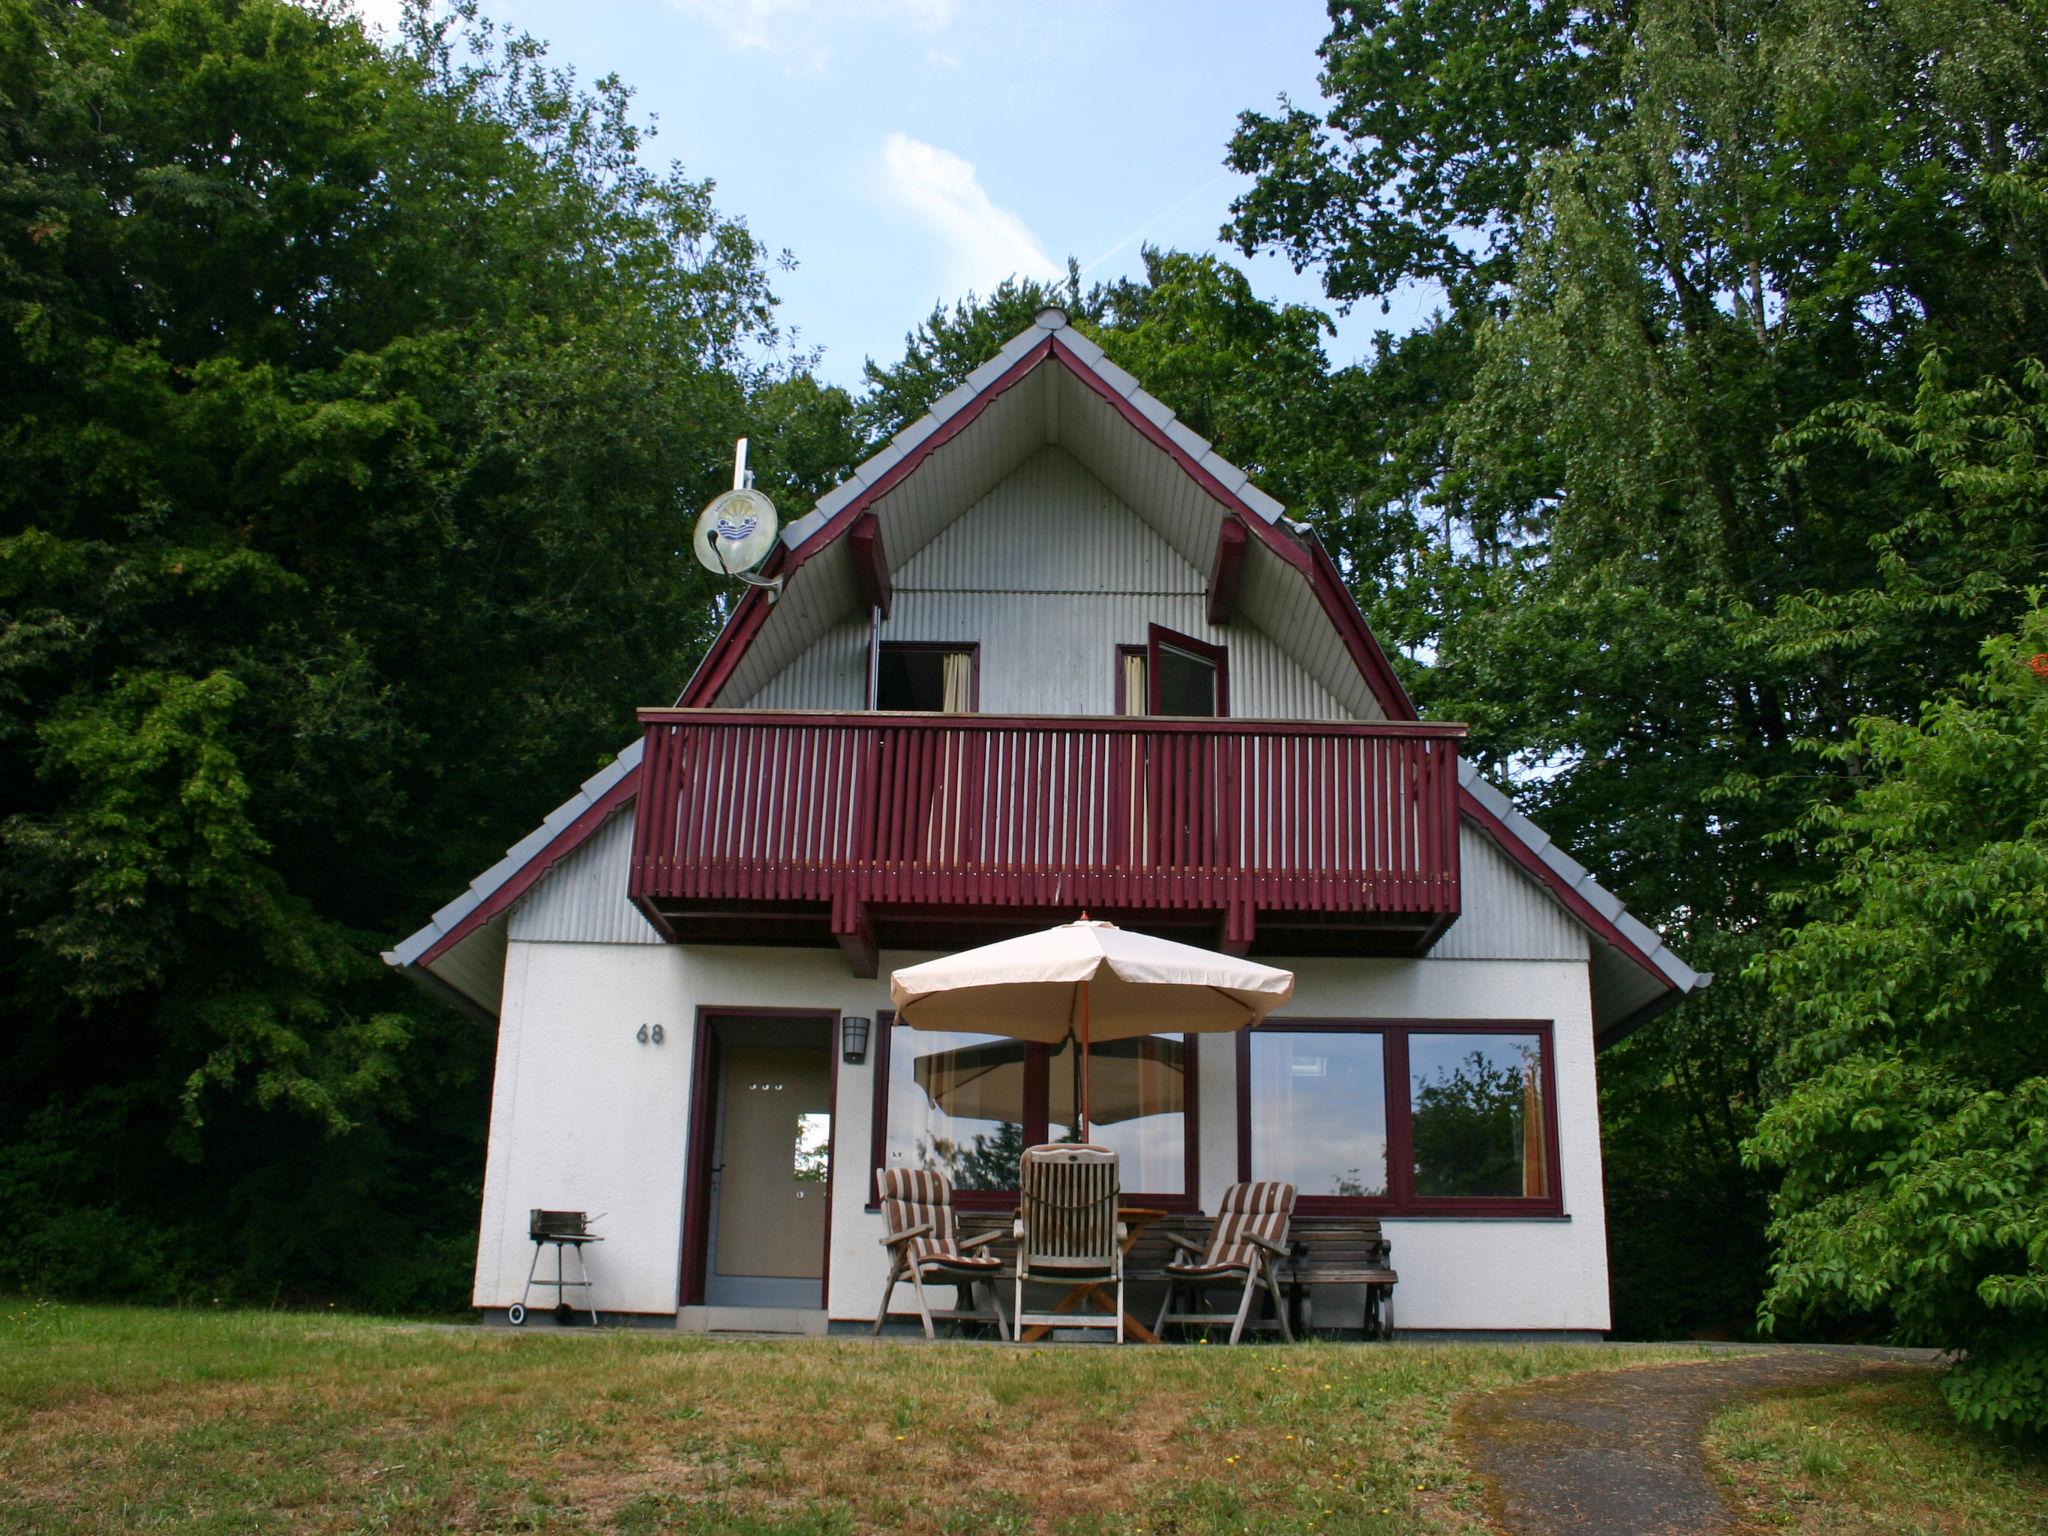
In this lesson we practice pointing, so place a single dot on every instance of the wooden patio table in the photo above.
(1136, 1218)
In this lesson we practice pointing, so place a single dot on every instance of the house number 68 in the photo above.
(651, 1032)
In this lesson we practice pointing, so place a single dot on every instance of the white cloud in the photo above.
(980, 243)
(796, 29)
(381, 15)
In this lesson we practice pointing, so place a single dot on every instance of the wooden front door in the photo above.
(775, 1136)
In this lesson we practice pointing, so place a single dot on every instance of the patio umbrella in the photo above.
(1090, 981)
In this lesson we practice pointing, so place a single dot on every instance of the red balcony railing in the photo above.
(1233, 817)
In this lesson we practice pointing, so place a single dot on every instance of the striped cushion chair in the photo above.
(1068, 1235)
(923, 1244)
(1250, 1236)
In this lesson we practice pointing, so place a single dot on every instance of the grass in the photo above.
(1879, 1456)
(125, 1419)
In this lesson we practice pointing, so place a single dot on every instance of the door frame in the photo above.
(705, 1063)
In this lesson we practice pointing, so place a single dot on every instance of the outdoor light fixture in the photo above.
(853, 1038)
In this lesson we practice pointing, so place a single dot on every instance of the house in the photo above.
(1045, 652)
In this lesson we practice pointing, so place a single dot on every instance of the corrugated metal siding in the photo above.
(1274, 595)
(582, 900)
(1050, 573)
(1049, 527)
(476, 966)
(1505, 914)
(831, 674)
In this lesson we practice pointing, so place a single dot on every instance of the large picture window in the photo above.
(1430, 1118)
(967, 1106)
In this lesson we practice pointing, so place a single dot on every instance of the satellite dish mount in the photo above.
(736, 533)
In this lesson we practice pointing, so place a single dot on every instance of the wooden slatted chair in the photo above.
(1249, 1238)
(1067, 1232)
(924, 1244)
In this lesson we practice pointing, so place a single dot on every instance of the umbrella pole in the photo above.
(1084, 1061)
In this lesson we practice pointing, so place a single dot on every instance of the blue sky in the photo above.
(906, 151)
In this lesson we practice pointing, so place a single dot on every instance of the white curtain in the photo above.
(959, 683)
(942, 834)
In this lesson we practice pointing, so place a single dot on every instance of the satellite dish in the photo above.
(737, 531)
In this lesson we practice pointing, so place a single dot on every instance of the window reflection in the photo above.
(1319, 1111)
(1137, 1106)
(1476, 1107)
(956, 1106)
(966, 1105)
(813, 1148)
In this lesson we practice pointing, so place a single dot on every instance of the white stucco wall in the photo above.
(584, 1116)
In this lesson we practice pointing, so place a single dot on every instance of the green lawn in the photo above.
(1880, 1457)
(123, 1419)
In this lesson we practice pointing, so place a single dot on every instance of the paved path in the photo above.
(1618, 1452)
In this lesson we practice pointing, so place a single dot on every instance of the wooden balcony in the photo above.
(934, 831)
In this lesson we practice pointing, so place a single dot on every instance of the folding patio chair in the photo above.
(924, 1244)
(1068, 1234)
(1250, 1234)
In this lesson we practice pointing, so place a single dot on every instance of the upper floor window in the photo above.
(1173, 674)
(936, 678)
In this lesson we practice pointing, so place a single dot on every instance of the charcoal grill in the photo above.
(566, 1230)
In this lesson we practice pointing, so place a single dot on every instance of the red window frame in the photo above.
(1036, 1060)
(1400, 1198)
(1157, 635)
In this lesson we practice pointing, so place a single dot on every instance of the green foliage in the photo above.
(1725, 438)
(1913, 1143)
(353, 401)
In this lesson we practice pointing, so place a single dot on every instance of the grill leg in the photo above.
(526, 1296)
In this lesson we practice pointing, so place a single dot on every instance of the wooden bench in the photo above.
(1340, 1250)
(1323, 1250)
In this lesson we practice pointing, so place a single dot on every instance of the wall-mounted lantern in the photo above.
(853, 1038)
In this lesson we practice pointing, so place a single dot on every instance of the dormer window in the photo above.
(930, 677)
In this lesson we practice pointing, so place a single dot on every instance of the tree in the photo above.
(1913, 1145)
(1694, 260)
(355, 402)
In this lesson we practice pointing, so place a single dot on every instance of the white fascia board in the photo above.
(869, 470)
(1262, 504)
(1533, 837)
(986, 375)
(1187, 439)
(915, 433)
(1231, 477)
(1603, 901)
(455, 911)
(1569, 869)
(1098, 363)
(952, 403)
(1152, 410)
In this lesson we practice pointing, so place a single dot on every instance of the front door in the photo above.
(773, 1158)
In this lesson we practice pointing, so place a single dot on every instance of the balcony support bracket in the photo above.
(1227, 570)
(1239, 924)
(855, 931)
(870, 563)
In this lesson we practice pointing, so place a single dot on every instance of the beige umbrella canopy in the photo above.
(1089, 980)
